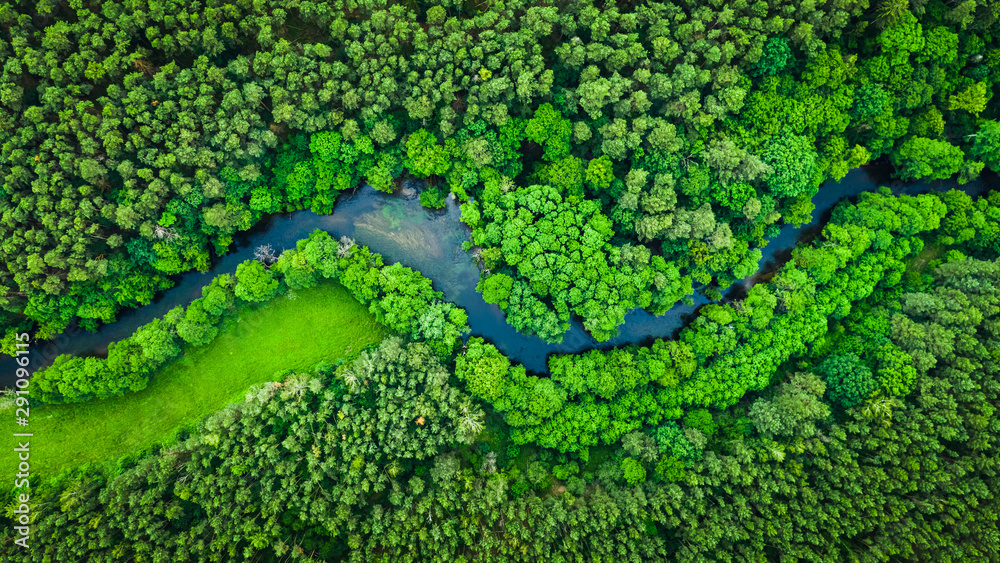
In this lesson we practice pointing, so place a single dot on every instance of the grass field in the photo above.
(324, 322)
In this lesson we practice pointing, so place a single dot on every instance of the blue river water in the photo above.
(398, 228)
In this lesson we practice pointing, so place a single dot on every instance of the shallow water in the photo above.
(429, 241)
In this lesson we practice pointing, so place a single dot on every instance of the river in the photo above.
(399, 229)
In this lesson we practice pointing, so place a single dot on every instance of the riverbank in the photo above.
(321, 323)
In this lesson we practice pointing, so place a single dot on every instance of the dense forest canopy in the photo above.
(606, 156)
(382, 459)
(140, 137)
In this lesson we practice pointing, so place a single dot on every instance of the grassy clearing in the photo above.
(321, 323)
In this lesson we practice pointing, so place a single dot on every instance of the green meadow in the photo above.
(289, 332)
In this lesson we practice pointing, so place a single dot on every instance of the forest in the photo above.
(837, 404)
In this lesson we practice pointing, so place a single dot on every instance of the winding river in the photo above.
(399, 229)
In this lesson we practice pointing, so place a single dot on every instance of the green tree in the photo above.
(634, 471)
(255, 283)
(870, 100)
(987, 144)
(793, 161)
(197, 327)
(599, 173)
(923, 158)
(549, 129)
(424, 157)
(848, 379)
(157, 341)
(794, 408)
(483, 368)
(674, 443)
(973, 99)
(775, 57)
